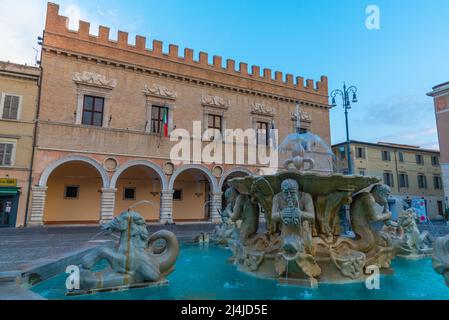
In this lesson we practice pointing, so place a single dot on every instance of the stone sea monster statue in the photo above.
(375, 245)
(224, 232)
(137, 260)
(440, 259)
(415, 243)
(247, 212)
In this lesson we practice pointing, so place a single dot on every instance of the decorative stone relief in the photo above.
(110, 164)
(262, 109)
(305, 116)
(158, 90)
(94, 79)
(217, 171)
(169, 168)
(215, 101)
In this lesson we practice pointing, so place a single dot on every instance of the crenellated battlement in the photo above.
(57, 26)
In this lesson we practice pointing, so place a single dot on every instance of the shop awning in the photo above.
(9, 191)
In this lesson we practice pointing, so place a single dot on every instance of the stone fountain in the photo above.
(303, 243)
(139, 259)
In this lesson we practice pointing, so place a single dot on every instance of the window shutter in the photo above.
(2, 154)
(11, 107)
(8, 154)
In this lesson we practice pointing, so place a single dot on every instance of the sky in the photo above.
(393, 67)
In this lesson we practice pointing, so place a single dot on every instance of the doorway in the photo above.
(8, 211)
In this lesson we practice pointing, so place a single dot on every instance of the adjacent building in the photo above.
(18, 109)
(107, 109)
(410, 171)
(440, 94)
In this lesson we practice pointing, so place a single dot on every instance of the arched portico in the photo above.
(195, 194)
(70, 190)
(139, 184)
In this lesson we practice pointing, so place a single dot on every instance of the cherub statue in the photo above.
(294, 211)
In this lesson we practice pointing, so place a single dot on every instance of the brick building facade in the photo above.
(100, 141)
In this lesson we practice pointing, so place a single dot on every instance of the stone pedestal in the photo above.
(107, 204)
(215, 207)
(166, 213)
(38, 195)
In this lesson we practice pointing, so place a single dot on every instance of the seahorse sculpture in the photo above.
(136, 259)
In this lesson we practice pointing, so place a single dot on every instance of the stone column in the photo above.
(166, 211)
(38, 195)
(107, 204)
(215, 207)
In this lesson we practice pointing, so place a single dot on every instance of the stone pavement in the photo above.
(22, 247)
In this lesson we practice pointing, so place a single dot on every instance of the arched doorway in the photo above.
(192, 193)
(74, 192)
(139, 186)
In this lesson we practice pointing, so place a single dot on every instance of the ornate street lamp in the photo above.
(345, 93)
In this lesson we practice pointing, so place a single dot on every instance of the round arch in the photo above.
(55, 164)
(231, 171)
(145, 163)
(210, 177)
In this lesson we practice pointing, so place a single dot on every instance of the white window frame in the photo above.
(2, 105)
(13, 154)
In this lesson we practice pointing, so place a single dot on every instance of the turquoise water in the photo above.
(202, 273)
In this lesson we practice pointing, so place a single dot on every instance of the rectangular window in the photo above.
(71, 192)
(360, 153)
(401, 157)
(6, 153)
(386, 155)
(435, 161)
(177, 194)
(362, 172)
(403, 180)
(263, 134)
(342, 152)
(437, 183)
(93, 108)
(419, 159)
(422, 181)
(214, 122)
(388, 179)
(129, 193)
(157, 118)
(11, 107)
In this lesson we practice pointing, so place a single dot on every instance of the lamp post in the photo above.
(346, 106)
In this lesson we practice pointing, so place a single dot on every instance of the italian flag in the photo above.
(165, 122)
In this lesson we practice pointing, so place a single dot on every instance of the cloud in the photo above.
(401, 110)
(19, 29)
(74, 14)
(425, 138)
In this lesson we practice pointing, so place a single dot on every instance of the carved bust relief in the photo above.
(214, 101)
(305, 116)
(157, 90)
(262, 109)
(94, 79)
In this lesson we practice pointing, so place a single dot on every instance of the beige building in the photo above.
(107, 108)
(410, 171)
(18, 107)
(440, 94)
